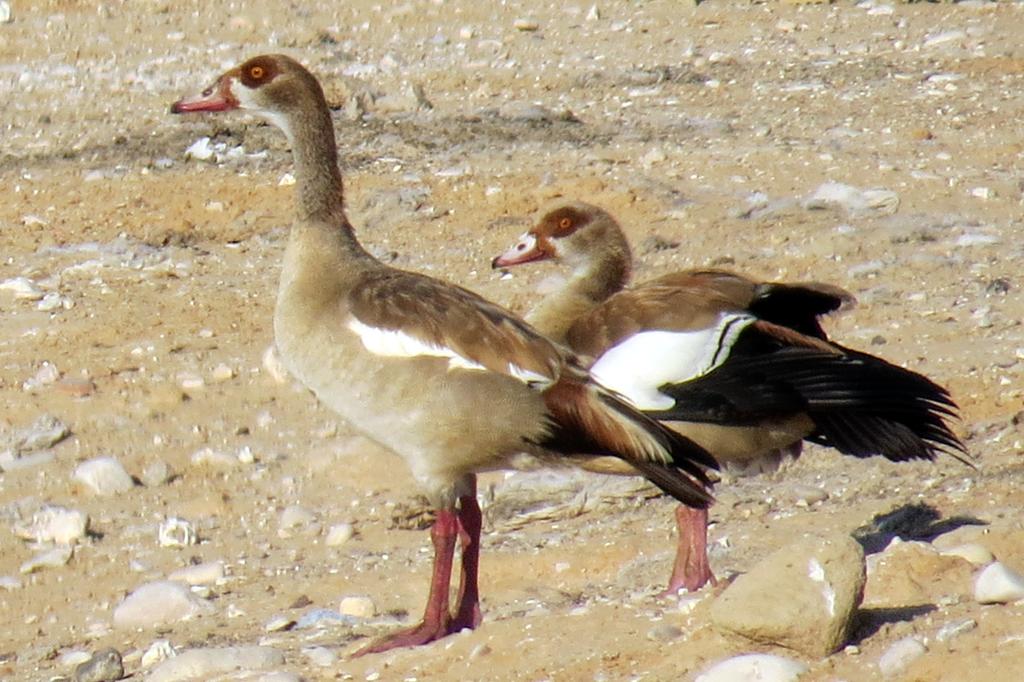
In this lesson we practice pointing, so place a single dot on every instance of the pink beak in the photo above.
(217, 97)
(526, 250)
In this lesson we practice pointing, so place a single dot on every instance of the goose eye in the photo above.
(256, 72)
(565, 223)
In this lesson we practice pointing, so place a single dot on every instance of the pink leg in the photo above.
(470, 522)
(436, 618)
(691, 570)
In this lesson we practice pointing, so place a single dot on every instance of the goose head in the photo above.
(275, 87)
(578, 234)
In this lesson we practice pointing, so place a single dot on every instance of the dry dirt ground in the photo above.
(703, 129)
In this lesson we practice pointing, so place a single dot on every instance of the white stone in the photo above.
(159, 603)
(998, 584)
(176, 532)
(974, 552)
(9, 582)
(952, 36)
(339, 534)
(213, 458)
(104, 476)
(22, 288)
(278, 623)
(55, 524)
(200, 150)
(297, 519)
(955, 629)
(222, 373)
(207, 573)
(753, 668)
(156, 473)
(852, 199)
(53, 558)
(320, 656)
(70, 659)
(157, 652)
(205, 664)
(5, 12)
(357, 606)
(900, 655)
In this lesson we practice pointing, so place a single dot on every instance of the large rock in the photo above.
(159, 603)
(204, 664)
(803, 596)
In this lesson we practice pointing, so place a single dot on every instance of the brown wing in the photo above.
(694, 299)
(446, 316)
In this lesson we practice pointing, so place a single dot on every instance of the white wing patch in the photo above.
(637, 366)
(398, 344)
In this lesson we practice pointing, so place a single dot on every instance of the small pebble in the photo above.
(158, 604)
(321, 618)
(75, 657)
(104, 666)
(156, 473)
(55, 524)
(9, 582)
(22, 288)
(296, 519)
(222, 373)
(279, 623)
(5, 12)
(664, 633)
(176, 532)
(320, 656)
(753, 668)
(104, 476)
(358, 607)
(480, 650)
(160, 650)
(46, 375)
(208, 573)
(53, 558)
(213, 458)
(955, 629)
(525, 25)
(45, 432)
(200, 150)
(900, 655)
(998, 584)
(339, 534)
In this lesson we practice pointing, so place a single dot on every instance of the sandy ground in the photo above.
(702, 128)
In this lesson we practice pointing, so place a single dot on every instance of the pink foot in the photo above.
(421, 634)
(451, 526)
(691, 570)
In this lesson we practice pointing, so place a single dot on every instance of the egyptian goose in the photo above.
(741, 367)
(453, 384)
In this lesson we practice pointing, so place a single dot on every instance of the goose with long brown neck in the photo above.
(741, 367)
(448, 381)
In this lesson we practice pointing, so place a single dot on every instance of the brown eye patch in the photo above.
(257, 72)
(563, 223)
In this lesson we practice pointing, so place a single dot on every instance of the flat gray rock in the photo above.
(158, 603)
(802, 597)
(204, 664)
